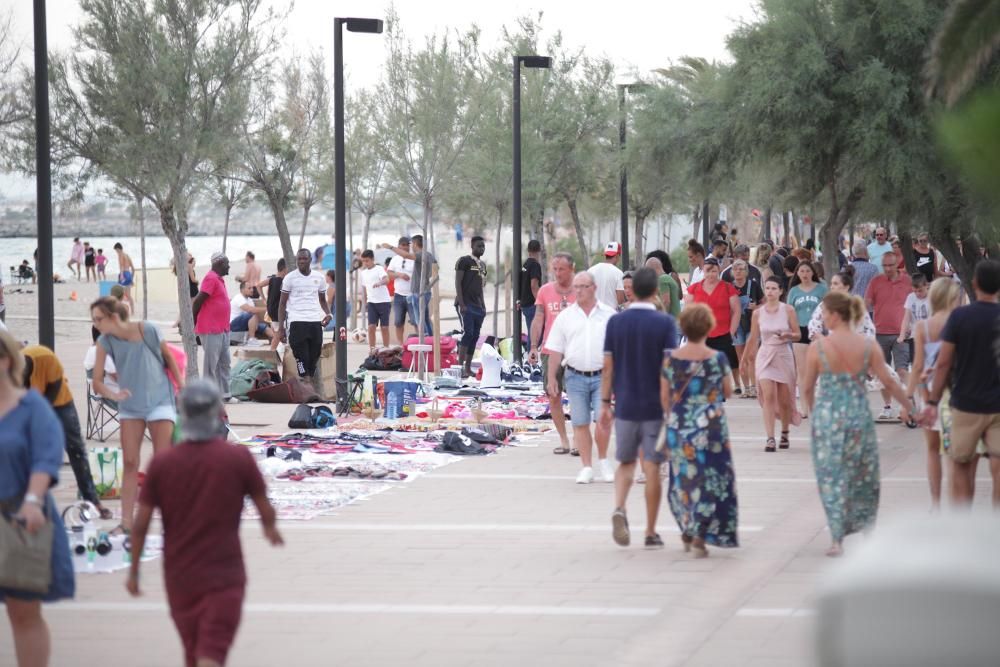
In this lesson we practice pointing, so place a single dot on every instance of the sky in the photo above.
(637, 35)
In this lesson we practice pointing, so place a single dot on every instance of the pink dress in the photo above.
(775, 360)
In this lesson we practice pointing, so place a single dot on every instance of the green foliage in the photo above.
(967, 40)
(679, 258)
(971, 136)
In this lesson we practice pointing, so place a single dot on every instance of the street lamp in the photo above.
(534, 62)
(340, 203)
(623, 184)
(43, 183)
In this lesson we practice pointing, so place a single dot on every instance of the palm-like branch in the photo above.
(968, 39)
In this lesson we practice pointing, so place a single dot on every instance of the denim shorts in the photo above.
(584, 394)
(155, 414)
(741, 336)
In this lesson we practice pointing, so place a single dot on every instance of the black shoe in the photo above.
(654, 542)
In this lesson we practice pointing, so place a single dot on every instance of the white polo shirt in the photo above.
(579, 336)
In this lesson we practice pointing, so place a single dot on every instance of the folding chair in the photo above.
(102, 415)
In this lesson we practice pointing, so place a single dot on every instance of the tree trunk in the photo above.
(348, 272)
(963, 261)
(578, 227)
(696, 221)
(225, 228)
(141, 215)
(305, 222)
(765, 228)
(784, 226)
(639, 231)
(498, 275)
(365, 228)
(175, 234)
(706, 227)
(835, 223)
(277, 205)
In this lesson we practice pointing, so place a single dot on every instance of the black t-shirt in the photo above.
(975, 383)
(925, 263)
(273, 296)
(89, 255)
(472, 280)
(531, 270)
(753, 290)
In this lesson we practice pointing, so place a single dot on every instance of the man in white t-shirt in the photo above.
(245, 316)
(400, 272)
(302, 314)
(609, 278)
(376, 283)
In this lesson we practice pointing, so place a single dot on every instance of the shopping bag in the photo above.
(106, 469)
(400, 397)
(25, 558)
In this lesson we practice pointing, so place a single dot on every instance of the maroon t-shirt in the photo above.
(199, 488)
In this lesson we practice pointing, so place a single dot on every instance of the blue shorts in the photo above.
(584, 392)
(378, 314)
(125, 278)
(741, 336)
(401, 306)
(155, 414)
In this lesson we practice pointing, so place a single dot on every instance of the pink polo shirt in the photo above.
(213, 318)
(888, 299)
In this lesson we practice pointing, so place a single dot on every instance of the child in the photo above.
(101, 260)
(199, 487)
(915, 309)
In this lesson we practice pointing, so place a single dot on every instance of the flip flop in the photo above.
(574, 452)
(561, 450)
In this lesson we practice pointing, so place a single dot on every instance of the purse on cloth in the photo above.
(25, 558)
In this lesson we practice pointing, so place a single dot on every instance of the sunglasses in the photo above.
(563, 304)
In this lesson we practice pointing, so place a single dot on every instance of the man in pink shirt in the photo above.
(211, 323)
(551, 300)
(886, 297)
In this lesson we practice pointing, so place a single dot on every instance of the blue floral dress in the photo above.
(702, 492)
(31, 440)
(845, 449)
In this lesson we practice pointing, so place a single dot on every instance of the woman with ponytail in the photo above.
(844, 446)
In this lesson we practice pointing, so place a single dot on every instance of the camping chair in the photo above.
(357, 384)
(102, 414)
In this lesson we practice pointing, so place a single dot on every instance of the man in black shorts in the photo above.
(89, 261)
(272, 285)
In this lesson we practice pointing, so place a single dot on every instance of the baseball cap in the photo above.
(404, 240)
(216, 256)
(200, 404)
(612, 249)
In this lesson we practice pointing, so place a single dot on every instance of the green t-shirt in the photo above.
(805, 303)
(668, 284)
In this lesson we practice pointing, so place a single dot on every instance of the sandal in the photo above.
(561, 450)
(574, 452)
(785, 443)
(770, 447)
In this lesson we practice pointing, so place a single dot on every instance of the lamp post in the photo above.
(535, 62)
(43, 182)
(340, 203)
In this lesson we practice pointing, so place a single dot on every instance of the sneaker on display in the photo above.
(586, 476)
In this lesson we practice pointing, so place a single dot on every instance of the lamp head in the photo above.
(363, 25)
(537, 62)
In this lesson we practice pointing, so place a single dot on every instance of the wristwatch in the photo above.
(33, 499)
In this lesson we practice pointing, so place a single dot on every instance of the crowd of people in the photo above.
(764, 324)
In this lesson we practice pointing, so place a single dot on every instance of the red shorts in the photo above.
(207, 622)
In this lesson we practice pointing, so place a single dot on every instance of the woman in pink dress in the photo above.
(773, 328)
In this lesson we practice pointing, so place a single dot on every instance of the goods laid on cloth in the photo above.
(93, 549)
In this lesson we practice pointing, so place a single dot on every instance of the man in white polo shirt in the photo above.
(577, 342)
(609, 278)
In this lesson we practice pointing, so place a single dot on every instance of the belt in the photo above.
(588, 374)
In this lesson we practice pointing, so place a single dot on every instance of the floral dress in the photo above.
(702, 493)
(845, 449)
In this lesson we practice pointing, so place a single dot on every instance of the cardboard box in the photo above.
(264, 353)
(326, 370)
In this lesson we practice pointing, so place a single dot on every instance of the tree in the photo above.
(151, 94)
(231, 192)
(276, 135)
(317, 174)
(366, 163)
(11, 111)
(427, 111)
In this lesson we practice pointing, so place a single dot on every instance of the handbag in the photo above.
(25, 558)
(159, 357)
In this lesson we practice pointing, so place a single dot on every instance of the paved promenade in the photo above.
(503, 560)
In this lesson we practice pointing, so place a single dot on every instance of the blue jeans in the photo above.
(472, 324)
(414, 303)
(584, 394)
(529, 316)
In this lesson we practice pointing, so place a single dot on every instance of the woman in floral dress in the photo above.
(844, 446)
(702, 491)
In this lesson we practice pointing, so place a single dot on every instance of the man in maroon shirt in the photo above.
(886, 297)
(199, 486)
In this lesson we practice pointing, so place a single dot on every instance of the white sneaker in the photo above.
(586, 476)
(886, 413)
(607, 470)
